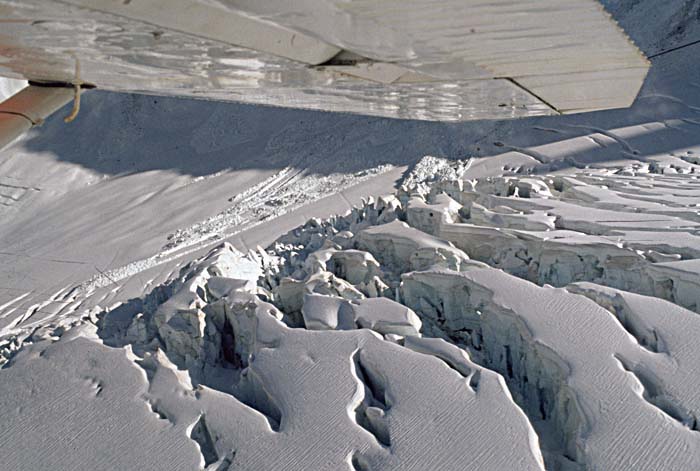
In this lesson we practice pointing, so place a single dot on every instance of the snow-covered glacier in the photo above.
(191, 285)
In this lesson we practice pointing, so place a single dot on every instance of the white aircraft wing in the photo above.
(447, 60)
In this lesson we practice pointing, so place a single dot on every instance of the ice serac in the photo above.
(386, 317)
(604, 376)
(596, 226)
(398, 245)
(382, 315)
(323, 312)
(355, 395)
(181, 321)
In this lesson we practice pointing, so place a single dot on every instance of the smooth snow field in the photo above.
(190, 285)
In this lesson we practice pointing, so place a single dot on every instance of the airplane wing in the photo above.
(447, 60)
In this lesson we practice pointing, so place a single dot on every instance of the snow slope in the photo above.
(526, 298)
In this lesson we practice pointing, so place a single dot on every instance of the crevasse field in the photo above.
(194, 285)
